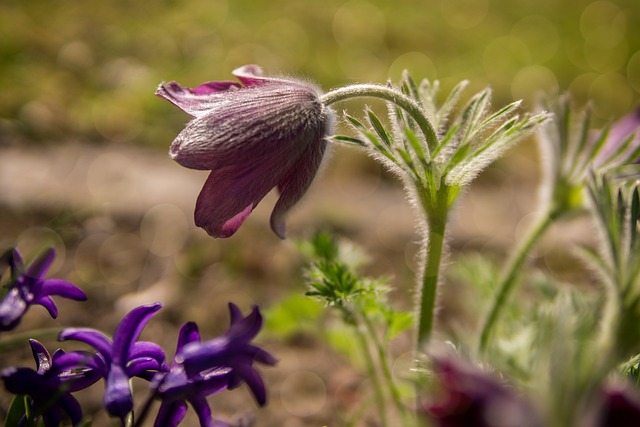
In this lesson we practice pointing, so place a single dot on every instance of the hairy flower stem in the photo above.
(388, 94)
(511, 274)
(386, 371)
(430, 277)
(373, 375)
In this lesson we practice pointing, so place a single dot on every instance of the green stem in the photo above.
(19, 340)
(511, 274)
(386, 371)
(389, 94)
(373, 374)
(430, 278)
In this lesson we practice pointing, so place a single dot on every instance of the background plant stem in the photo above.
(510, 276)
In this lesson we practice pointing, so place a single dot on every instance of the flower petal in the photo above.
(40, 266)
(41, 356)
(147, 349)
(251, 75)
(117, 396)
(258, 127)
(297, 183)
(12, 308)
(188, 333)
(48, 303)
(129, 330)
(63, 288)
(197, 101)
(94, 338)
(71, 406)
(253, 380)
(201, 406)
(246, 328)
(171, 414)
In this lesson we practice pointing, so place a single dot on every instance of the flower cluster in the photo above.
(199, 369)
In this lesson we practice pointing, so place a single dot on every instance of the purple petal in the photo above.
(171, 414)
(254, 381)
(261, 127)
(117, 397)
(235, 313)
(262, 356)
(143, 367)
(41, 356)
(197, 101)
(228, 197)
(188, 333)
(12, 308)
(48, 303)
(129, 330)
(40, 266)
(246, 328)
(293, 187)
(251, 75)
(201, 406)
(71, 406)
(21, 380)
(147, 349)
(94, 338)
(62, 288)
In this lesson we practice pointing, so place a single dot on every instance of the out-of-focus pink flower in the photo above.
(626, 129)
(471, 397)
(263, 133)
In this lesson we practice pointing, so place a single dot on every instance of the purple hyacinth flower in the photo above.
(51, 385)
(28, 287)
(263, 133)
(232, 351)
(124, 357)
(471, 397)
(176, 389)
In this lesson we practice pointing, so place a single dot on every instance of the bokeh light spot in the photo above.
(532, 81)
(358, 22)
(611, 96)
(164, 229)
(34, 241)
(418, 64)
(539, 34)
(303, 393)
(633, 71)
(121, 259)
(464, 14)
(503, 57)
(603, 23)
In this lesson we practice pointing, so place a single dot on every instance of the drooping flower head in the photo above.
(123, 358)
(50, 386)
(254, 136)
(28, 287)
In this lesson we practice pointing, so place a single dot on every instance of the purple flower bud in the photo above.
(255, 136)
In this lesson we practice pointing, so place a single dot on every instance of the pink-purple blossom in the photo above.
(256, 135)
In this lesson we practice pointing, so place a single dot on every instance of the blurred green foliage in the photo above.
(88, 70)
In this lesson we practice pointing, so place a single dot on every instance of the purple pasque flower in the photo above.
(618, 406)
(124, 357)
(622, 139)
(471, 397)
(28, 287)
(51, 385)
(176, 389)
(263, 133)
(231, 354)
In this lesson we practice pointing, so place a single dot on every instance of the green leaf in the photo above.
(349, 140)
(379, 128)
(18, 408)
(415, 144)
(450, 103)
